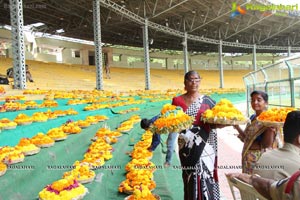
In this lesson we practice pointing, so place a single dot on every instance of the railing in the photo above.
(280, 80)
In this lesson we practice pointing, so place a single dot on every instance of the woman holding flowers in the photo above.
(198, 145)
(257, 138)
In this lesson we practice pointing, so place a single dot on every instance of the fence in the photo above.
(280, 80)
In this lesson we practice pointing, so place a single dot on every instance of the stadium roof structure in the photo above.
(239, 24)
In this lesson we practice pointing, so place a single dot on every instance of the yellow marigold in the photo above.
(223, 112)
(60, 184)
(166, 108)
(275, 114)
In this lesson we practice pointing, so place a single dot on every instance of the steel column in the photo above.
(289, 51)
(98, 48)
(146, 55)
(185, 53)
(221, 65)
(292, 83)
(18, 50)
(254, 58)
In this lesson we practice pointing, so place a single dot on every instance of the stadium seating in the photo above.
(66, 76)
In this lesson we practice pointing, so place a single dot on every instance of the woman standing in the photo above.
(198, 145)
(257, 138)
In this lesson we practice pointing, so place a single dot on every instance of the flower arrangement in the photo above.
(31, 104)
(125, 126)
(141, 163)
(50, 114)
(34, 91)
(143, 144)
(101, 118)
(108, 135)
(171, 119)
(59, 113)
(224, 112)
(147, 136)
(142, 192)
(136, 178)
(6, 123)
(63, 189)
(82, 173)
(274, 116)
(23, 119)
(14, 98)
(49, 103)
(57, 134)
(71, 111)
(13, 106)
(97, 153)
(71, 127)
(93, 162)
(76, 101)
(135, 118)
(96, 107)
(92, 119)
(42, 140)
(83, 123)
(11, 155)
(100, 144)
(27, 147)
(63, 95)
(167, 108)
(3, 168)
(141, 152)
(39, 117)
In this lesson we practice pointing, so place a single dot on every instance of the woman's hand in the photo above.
(241, 134)
(237, 127)
(269, 137)
(150, 149)
(243, 177)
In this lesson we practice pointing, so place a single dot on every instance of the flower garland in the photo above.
(66, 188)
(139, 178)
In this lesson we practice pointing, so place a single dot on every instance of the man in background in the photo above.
(10, 73)
(283, 162)
(284, 189)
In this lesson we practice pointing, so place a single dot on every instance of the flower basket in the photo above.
(172, 119)
(274, 117)
(224, 113)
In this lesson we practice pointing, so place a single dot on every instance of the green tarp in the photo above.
(23, 181)
(26, 179)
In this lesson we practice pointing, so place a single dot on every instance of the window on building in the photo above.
(77, 54)
(116, 58)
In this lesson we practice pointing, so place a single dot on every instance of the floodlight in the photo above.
(38, 24)
(60, 31)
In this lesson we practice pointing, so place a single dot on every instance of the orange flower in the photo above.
(275, 114)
